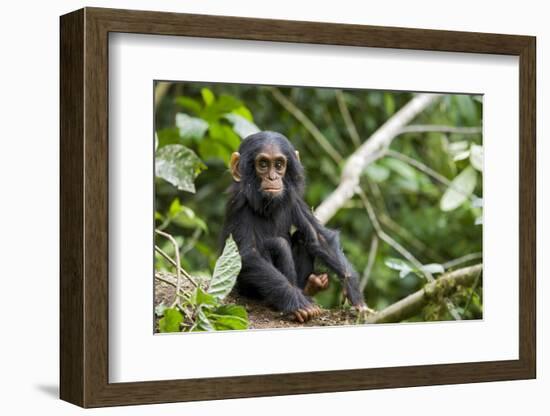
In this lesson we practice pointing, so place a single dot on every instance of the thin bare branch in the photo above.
(419, 128)
(370, 263)
(307, 123)
(461, 260)
(173, 263)
(177, 253)
(348, 121)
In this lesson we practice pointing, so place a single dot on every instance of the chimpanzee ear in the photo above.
(234, 166)
(297, 155)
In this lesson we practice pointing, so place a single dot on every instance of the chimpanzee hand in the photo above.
(306, 313)
(316, 283)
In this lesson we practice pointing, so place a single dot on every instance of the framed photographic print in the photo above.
(255, 207)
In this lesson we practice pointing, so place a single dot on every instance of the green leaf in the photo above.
(168, 136)
(403, 267)
(178, 165)
(208, 96)
(224, 134)
(171, 320)
(241, 125)
(227, 322)
(232, 309)
(401, 168)
(389, 103)
(476, 157)
(462, 187)
(377, 172)
(203, 322)
(159, 309)
(243, 112)
(466, 107)
(433, 268)
(461, 155)
(189, 104)
(201, 298)
(193, 128)
(457, 147)
(226, 270)
(211, 149)
(184, 216)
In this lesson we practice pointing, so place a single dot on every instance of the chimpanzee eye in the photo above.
(278, 165)
(263, 163)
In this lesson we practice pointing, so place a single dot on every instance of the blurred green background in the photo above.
(408, 188)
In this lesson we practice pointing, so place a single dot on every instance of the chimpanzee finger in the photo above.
(298, 316)
(317, 311)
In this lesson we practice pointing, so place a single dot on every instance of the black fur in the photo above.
(276, 264)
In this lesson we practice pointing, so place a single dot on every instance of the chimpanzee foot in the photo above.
(316, 283)
(307, 313)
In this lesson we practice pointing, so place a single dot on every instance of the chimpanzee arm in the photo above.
(324, 244)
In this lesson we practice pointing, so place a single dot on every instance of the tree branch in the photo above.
(368, 152)
(348, 121)
(413, 304)
(419, 128)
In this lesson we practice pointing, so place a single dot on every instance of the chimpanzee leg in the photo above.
(281, 256)
(303, 260)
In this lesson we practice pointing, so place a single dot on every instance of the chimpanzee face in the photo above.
(270, 164)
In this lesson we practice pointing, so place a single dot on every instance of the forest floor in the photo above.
(260, 316)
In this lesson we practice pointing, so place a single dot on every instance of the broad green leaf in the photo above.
(211, 149)
(460, 190)
(403, 267)
(465, 154)
(184, 216)
(477, 203)
(389, 103)
(243, 112)
(201, 298)
(226, 270)
(241, 125)
(189, 104)
(377, 172)
(466, 107)
(457, 147)
(208, 96)
(476, 157)
(191, 127)
(433, 268)
(159, 309)
(401, 168)
(227, 322)
(224, 134)
(232, 309)
(171, 320)
(178, 165)
(202, 323)
(168, 136)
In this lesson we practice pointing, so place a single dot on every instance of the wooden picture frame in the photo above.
(84, 207)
